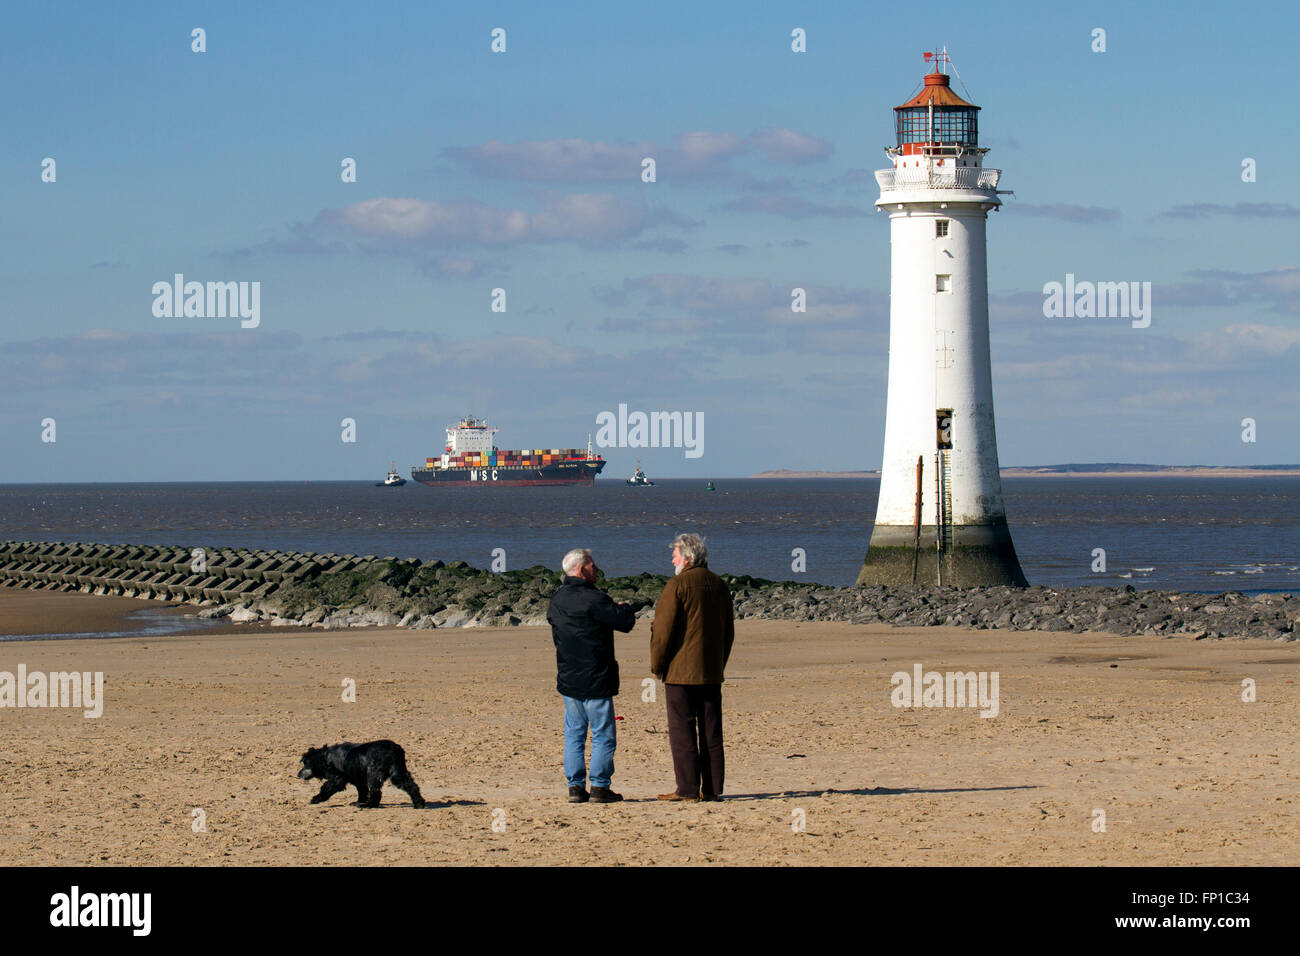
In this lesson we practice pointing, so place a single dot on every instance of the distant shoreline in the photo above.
(1086, 471)
(1101, 470)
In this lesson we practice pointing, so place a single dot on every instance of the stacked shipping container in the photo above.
(527, 458)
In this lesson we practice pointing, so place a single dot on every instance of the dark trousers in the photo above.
(695, 736)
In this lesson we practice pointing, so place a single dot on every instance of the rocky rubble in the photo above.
(1119, 610)
(423, 595)
(392, 593)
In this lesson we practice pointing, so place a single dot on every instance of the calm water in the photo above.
(1179, 533)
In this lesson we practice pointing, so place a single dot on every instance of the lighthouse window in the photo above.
(940, 228)
(943, 283)
(951, 124)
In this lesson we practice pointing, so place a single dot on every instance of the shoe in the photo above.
(578, 795)
(679, 797)
(604, 795)
(710, 797)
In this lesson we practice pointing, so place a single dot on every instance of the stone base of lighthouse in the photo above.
(978, 556)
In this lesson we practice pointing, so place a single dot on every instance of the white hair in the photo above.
(692, 548)
(574, 560)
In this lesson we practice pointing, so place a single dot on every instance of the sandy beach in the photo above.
(1153, 732)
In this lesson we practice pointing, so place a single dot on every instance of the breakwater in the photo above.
(296, 589)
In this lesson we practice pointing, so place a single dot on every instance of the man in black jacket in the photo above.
(583, 620)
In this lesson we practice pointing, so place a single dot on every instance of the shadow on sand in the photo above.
(398, 804)
(868, 792)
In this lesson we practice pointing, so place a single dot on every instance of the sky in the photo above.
(521, 171)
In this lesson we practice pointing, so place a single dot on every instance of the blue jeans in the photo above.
(599, 714)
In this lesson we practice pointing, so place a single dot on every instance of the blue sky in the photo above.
(521, 170)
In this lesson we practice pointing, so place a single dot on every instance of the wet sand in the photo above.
(49, 613)
(1151, 731)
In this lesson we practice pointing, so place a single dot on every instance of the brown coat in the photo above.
(693, 629)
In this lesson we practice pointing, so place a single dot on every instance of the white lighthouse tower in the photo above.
(940, 517)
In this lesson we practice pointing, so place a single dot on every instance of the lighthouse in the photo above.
(940, 518)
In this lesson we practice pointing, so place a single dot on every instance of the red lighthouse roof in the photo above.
(937, 92)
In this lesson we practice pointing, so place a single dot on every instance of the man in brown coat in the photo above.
(689, 645)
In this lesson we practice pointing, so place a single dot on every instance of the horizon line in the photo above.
(1064, 468)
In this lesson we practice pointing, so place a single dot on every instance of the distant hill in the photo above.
(1108, 469)
(1125, 470)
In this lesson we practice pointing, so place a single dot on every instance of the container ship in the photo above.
(471, 458)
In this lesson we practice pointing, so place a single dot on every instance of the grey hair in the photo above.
(574, 560)
(693, 549)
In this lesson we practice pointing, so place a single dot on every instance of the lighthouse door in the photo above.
(943, 428)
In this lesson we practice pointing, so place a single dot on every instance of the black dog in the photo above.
(365, 766)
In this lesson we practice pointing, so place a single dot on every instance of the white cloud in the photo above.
(563, 217)
(698, 154)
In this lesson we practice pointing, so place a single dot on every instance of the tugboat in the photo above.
(639, 478)
(394, 480)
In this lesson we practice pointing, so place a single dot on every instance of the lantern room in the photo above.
(936, 121)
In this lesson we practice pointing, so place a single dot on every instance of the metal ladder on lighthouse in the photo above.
(945, 502)
(943, 510)
(942, 471)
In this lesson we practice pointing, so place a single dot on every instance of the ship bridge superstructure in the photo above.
(470, 436)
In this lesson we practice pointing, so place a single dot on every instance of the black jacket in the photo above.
(583, 620)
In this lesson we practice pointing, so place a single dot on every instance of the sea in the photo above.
(1171, 533)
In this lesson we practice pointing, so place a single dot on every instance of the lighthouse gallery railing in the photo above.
(956, 177)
